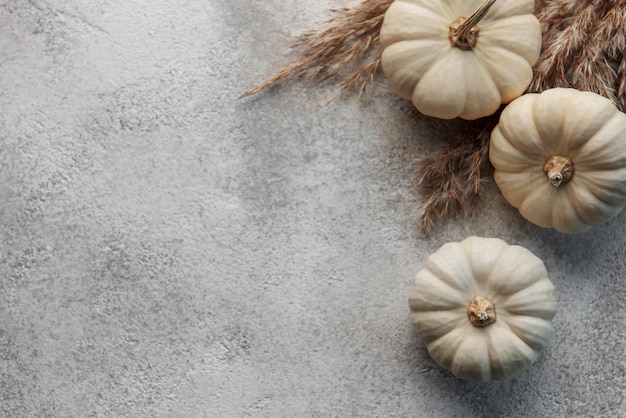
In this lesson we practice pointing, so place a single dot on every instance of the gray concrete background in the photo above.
(170, 251)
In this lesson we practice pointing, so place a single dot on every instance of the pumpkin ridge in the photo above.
(565, 219)
(545, 311)
(494, 361)
(434, 267)
(542, 215)
(485, 54)
(511, 252)
(536, 149)
(615, 190)
(426, 90)
(478, 345)
(547, 107)
(500, 150)
(545, 335)
(421, 5)
(578, 137)
(425, 293)
(605, 211)
(512, 330)
(414, 12)
(419, 64)
(502, 33)
(417, 308)
(446, 361)
(524, 354)
(588, 156)
(563, 139)
(430, 333)
(478, 275)
(487, 86)
(594, 191)
(515, 186)
(584, 215)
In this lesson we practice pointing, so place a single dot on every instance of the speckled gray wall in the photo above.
(167, 250)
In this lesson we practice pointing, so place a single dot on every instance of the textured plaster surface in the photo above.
(167, 250)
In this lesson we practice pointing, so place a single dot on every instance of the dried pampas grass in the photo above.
(584, 43)
(584, 47)
(451, 178)
(347, 48)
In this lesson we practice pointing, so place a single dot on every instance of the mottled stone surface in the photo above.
(167, 250)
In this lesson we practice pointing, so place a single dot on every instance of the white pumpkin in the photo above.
(560, 158)
(460, 58)
(483, 308)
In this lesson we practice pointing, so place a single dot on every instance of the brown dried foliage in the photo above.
(348, 46)
(584, 42)
(451, 178)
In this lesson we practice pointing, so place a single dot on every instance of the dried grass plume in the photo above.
(347, 47)
(450, 180)
(584, 42)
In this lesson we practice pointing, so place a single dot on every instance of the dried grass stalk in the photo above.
(348, 47)
(451, 178)
(584, 42)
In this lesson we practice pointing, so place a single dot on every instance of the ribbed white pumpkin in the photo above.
(560, 158)
(483, 308)
(446, 76)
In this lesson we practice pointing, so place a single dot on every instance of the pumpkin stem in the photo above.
(481, 311)
(559, 170)
(464, 32)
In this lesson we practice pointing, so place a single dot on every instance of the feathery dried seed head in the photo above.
(348, 46)
(584, 42)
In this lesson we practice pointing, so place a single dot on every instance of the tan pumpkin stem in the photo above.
(481, 311)
(559, 170)
(464, 32)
